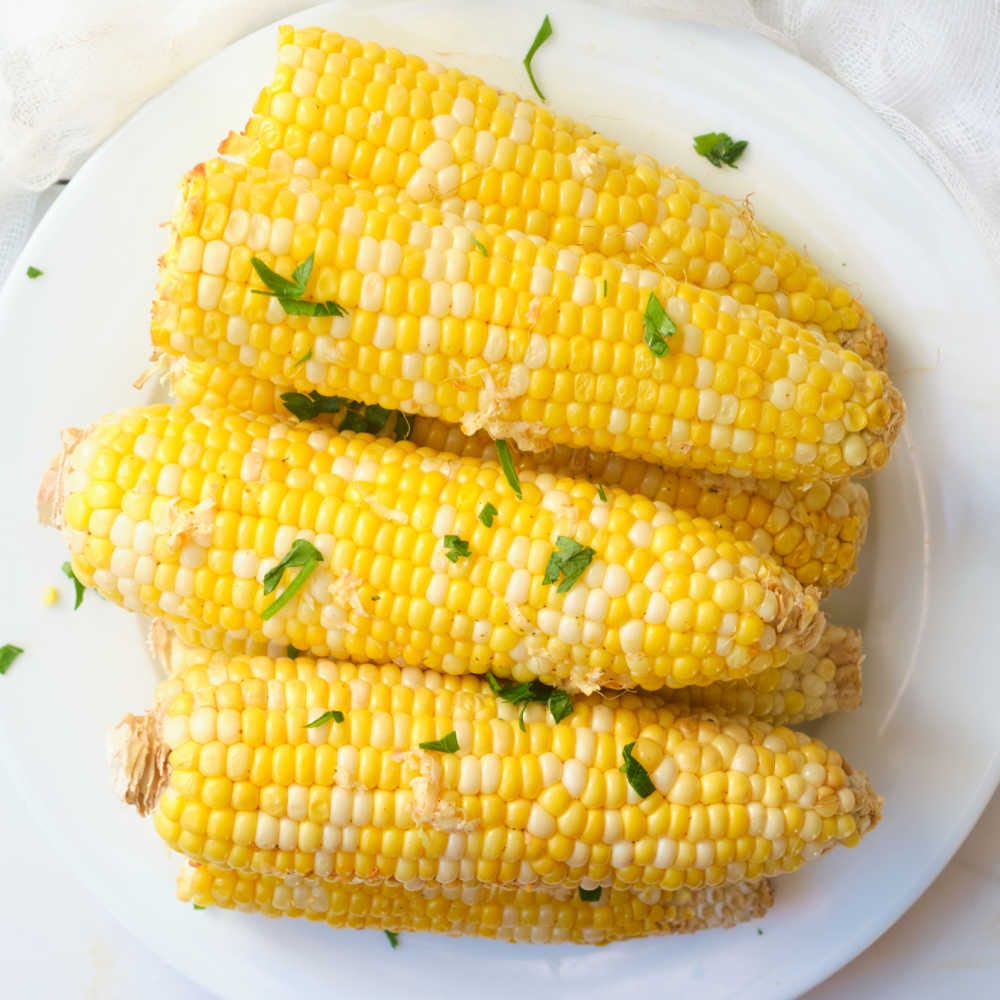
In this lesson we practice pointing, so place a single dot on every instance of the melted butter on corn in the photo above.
(436, 328)
(667, 600)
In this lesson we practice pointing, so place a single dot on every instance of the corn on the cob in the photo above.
(379, 116)
(539, 916)
(827, 679)
(251, 785)
(186, 516)
(529, 342)
(815, 530)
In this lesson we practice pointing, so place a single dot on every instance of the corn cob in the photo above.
(376, 115)
(517, 338)
(527, 916)
(172, 514)
(827, 679)
(236, 776)
(815, 531)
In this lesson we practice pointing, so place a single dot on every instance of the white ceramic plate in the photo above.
(821, 168)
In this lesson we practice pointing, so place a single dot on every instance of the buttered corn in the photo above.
(314, 768)
(539, 916)
(382, 117)
(188, 517)
(815, 530)
(529, 341)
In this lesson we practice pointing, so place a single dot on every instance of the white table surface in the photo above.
(57, 940)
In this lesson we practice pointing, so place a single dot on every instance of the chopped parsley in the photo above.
(719, 148)
(605, 287)
(559, 703)
(760, 932)
(304, 407)
(359, 417)
(303, 359)
(447, 744)
(600, 492)
(638, 777)
(364, 419)
(8, 654)
(302, 555)
(456, 548)
(393, 939)
(289, 292)
(569, 560)
(590, 895)
(480, 247)
(507, 464)
(543, 35)
(292, 653)
(487, 514)
(333, 715)
(78, 587)
(197, 907)
(658, 326)
(34, 272)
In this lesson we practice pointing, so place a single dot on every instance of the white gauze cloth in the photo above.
(71, 71)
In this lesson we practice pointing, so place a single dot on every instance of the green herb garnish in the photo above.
(292, 653)
(507, 464)
(302, 554)
(638, 777)
(34, 272)
(456, 548)
(289, 292)
(480, 247)
(359, 417)
(590, 895)
(605, 287)
(333, 715)
(559, 703)
(197, 907)
(304, 407)
(569, 560)
(447, 744)
(543, 35)
(487, 514)
(8, 654)
(601, 494)
(658, 326)
(303, 359)
(719, 148)
(78, 588)
(393, 939)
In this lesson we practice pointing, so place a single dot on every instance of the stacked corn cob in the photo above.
(418, 680)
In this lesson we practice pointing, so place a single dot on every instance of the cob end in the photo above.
(51, 497)
(799, 622)
(848, 656)
(139, 760)
(868, 803)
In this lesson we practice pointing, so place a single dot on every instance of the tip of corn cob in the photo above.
(867, 341)
(52, 493)
(799, 622)
(868, 804)
(139, 756)
(846, 651)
